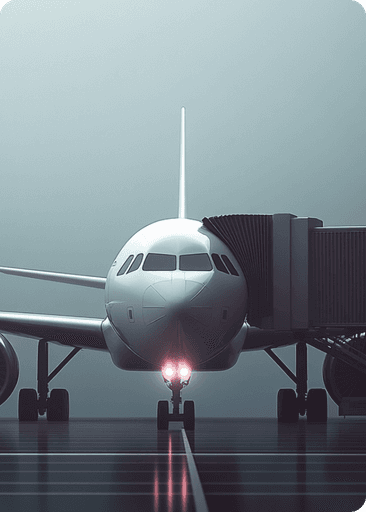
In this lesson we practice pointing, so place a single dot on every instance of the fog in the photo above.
(90, 97)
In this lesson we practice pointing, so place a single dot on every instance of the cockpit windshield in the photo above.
(187, 262)
(191, 262)
(158, 262)
(124, 267)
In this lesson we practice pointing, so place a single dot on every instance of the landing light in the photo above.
(180, 371)
(168, 371)
(184, 371)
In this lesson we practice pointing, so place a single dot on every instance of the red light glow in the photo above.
(156, 490)
(171, 370)
(168, 371)
(166, 483)
(184, 371)
(184, 487)
(170, 475)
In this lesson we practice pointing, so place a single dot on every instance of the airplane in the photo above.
(176, 302)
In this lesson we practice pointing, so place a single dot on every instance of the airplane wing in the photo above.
(92, 282)
(64, 330)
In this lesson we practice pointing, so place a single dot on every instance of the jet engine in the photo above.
(342, 380)
(9, 369)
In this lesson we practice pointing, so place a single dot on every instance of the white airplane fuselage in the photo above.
(168, 297)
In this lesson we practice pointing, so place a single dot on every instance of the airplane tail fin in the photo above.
(182, 170)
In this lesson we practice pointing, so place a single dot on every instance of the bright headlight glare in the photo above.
(168, 371)
(181, 371)
(184, 371)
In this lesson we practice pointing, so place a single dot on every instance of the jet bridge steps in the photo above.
(310, 280)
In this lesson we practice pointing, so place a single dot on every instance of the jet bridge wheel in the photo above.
(28, 405)
(163, 415)
(287, 406)
(316, 405)
(58, 405)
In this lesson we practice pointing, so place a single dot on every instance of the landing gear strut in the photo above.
(57, 404)
(176, 384)
(290, 404)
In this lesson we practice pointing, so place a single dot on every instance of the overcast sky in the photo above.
(90, 97)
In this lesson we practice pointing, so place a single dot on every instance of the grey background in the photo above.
(90, 97)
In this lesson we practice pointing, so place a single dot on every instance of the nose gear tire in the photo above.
(189, 416)
(163, 415)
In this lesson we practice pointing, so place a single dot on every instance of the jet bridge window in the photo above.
(137, 262)
(124, 267)
(158, 262)
(229, 265)
(195, 262)
(219, 263)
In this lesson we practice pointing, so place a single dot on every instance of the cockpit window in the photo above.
(136, 263)
(219, 264)
(229, 265)
(195, 262)
(155, 261)
(123, 269)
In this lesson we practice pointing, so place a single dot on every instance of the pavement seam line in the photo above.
(197, 490)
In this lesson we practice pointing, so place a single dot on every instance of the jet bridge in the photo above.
(310, 280)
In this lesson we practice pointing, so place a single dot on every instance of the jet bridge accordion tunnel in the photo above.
(308, 279)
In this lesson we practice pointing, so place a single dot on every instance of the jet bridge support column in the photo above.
(302, 375)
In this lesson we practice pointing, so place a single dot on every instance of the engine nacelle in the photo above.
(342, 380)
(9, 369)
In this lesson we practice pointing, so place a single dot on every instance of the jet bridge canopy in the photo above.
(301, 276)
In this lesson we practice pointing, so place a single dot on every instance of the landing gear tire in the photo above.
(58, 405)
(28, 405)
(189, 417)
(163, 415)
(316, 406)
(287, 406)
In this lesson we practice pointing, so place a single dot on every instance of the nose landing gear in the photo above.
(188, 415)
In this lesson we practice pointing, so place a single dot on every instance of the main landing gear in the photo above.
(57, 404)
(176, 380)
(291, 404)
(288, 406)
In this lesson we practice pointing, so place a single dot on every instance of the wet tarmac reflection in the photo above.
(127, 465)
(171, 479)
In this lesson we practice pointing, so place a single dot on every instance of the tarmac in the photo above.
(230, 465)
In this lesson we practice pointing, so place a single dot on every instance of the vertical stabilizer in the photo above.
(182, 170)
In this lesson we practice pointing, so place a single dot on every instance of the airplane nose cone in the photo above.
(178, 317)
(166, 299)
